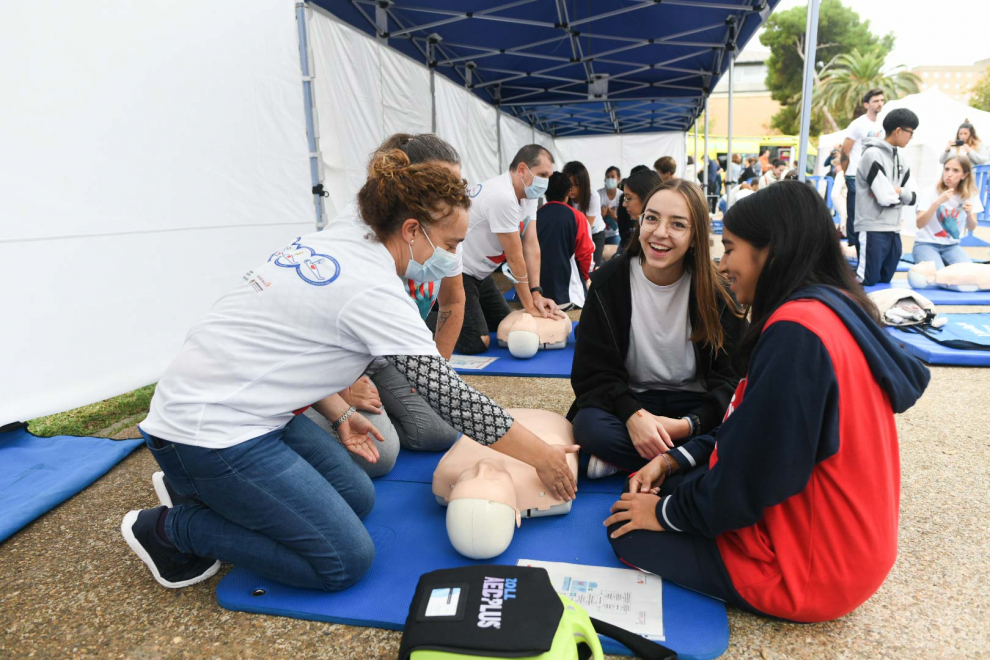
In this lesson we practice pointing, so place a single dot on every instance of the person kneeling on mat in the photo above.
(404, 418)
(268, 490)
(794, 513)
(668, 376)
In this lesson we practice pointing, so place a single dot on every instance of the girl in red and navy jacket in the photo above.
(789, 509)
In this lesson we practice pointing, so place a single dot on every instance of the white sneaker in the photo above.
(161, 489)
(599, 469)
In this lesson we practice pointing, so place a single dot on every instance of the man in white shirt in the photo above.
(866, 126)
(502, 229)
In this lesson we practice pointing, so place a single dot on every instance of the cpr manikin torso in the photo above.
(488, 493)
(524, 334)
(956, 277)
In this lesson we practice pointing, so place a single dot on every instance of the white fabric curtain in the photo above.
(598, 153)
(468, 124)
(515, 135)
(152, 153)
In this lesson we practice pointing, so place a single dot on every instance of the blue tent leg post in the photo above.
(314, 148)
(810, 48)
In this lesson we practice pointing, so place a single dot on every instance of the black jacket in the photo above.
(599, 375)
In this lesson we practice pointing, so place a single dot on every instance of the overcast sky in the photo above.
(941, 32)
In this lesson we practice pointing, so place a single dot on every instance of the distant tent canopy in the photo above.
(569, 68)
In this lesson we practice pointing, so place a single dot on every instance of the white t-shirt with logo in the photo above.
(494, 210)
(424, 294)
(948, 224)
(299, 327)
(860, 129)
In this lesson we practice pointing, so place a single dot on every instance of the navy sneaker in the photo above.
(172, 569)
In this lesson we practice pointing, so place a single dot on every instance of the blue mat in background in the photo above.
(409, 531)
(939, 296)
(418, 467)
(38, 474)
(547, 363)
(973, 241)
(970, 327)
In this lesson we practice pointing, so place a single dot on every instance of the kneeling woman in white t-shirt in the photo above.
(268, 490)
(652, 364)
(946, 212)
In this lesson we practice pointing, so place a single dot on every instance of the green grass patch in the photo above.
(96, 416)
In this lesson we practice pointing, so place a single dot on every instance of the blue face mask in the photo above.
(441, 264)
(539, 186)
(611, 184)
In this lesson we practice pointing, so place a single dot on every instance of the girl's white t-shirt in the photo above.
(594, 209)
(948, 224)
(299, 327)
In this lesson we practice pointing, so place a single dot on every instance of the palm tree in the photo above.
(847, 77)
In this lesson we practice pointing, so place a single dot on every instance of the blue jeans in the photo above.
(287, 505)
(942, 255)
(419, 427)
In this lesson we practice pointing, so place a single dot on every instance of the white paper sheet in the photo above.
(626, 598)
(470, 362)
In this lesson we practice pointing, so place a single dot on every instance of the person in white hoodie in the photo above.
(884, 186)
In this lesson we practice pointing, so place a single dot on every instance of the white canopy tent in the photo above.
(154, 152)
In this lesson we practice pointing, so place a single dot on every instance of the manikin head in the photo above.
(482, 513)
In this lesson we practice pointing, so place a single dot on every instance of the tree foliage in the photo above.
(840, 30)
(981, 92)
(853, 74)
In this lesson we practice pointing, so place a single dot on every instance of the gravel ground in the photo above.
(71, 587)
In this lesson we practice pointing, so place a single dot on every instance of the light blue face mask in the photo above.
(539, 186)
(441, 264)
(611, 183)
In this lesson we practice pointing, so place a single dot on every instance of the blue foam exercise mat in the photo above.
(937, 295)
(38, 474)
(973, 241)
(409, 532)
(547, 363)
(969, 327)
(418, 467)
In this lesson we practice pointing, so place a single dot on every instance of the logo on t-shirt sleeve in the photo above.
(311, 267)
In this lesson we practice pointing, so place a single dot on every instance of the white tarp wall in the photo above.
(152, 152)
(598, 153)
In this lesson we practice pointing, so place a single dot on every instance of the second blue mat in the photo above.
(939, 296)
(409, 531)
(37, 474)
(549, 363)
(968, 327)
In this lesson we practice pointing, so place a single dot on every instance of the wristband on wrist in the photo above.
(343, 418)
(536, 289)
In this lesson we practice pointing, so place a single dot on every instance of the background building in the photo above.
(752, 107)
(954, 81)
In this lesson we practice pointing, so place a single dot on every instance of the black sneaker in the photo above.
(170, 567)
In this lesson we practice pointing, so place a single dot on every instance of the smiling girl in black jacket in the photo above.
(651, 365)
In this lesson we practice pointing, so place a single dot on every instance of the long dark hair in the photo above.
(707, 285)
(792, 219)
(579, 175)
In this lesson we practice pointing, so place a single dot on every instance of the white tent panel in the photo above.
(406, 94)
(939, 116)
(539, 137)
(468, 124)
(515, 135)
(349, 105)
(598, 153)
(646, 148)
(152, 153)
